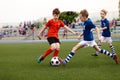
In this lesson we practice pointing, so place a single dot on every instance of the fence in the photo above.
(62, 34)
(114, 32)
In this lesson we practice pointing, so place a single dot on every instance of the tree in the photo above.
(68, 16)
(38, 24)
(6, 26)
(44, 20)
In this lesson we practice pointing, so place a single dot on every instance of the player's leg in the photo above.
(114, 56)
(48, 51)
(71, 54)
(109, 40)
(99, 45)
(57, 49)
(112, 48)
(52, 48)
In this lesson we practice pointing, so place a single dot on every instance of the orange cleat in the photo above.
(61, 61)
(116, 58)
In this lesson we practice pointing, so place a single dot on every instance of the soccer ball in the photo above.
(54, 61)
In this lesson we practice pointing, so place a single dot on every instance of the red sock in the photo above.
(56, 53)
(47, 53)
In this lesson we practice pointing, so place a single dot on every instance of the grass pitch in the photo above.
(18, 62)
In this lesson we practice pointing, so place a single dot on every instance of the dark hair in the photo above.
(84, 13)
(56, 11)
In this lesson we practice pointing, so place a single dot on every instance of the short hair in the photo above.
(104, 11)
(56, 11)
(84, 13)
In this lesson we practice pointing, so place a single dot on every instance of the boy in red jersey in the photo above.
(53, 26)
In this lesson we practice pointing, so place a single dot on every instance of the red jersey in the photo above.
(54, 27)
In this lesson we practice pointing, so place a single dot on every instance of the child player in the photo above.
(87, 39)
(106, 34)
(53, 26)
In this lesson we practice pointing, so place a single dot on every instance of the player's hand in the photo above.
(100, 29)
(39, 37)
(79, 37)
(76, 33)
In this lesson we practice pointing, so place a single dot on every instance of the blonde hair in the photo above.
(104, 11)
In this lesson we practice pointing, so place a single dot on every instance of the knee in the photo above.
(55, 48)
(97, 48)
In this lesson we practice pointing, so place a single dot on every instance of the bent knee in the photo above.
(55, 48)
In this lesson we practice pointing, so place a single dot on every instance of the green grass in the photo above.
(18, 62)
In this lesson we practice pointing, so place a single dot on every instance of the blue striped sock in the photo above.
(112, 49)
(70, 55)
(106, 53)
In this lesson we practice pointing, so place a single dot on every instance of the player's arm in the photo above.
(81, 34)
(79, 37)
(70, 30)
(98, 33)
(105, 26)
(101, 29)
(41, 30)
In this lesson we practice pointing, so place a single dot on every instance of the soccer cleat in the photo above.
(94, 54)
(62, 62)
(40, 59)
(115, 57)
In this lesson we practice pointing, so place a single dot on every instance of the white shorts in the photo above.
(88, 43)
(106, 39)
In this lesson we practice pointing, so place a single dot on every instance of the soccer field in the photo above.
(18, 62)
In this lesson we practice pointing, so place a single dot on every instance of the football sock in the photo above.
(70, 55)
(56, 53)
(47, 53)
(106, 53)
(113, 50)
(97, 51)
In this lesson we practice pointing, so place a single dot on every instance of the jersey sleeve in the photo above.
(106, 23)
(48, 24)
(92, 25)
(62, 24)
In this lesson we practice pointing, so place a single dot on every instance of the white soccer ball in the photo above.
(54, 61)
